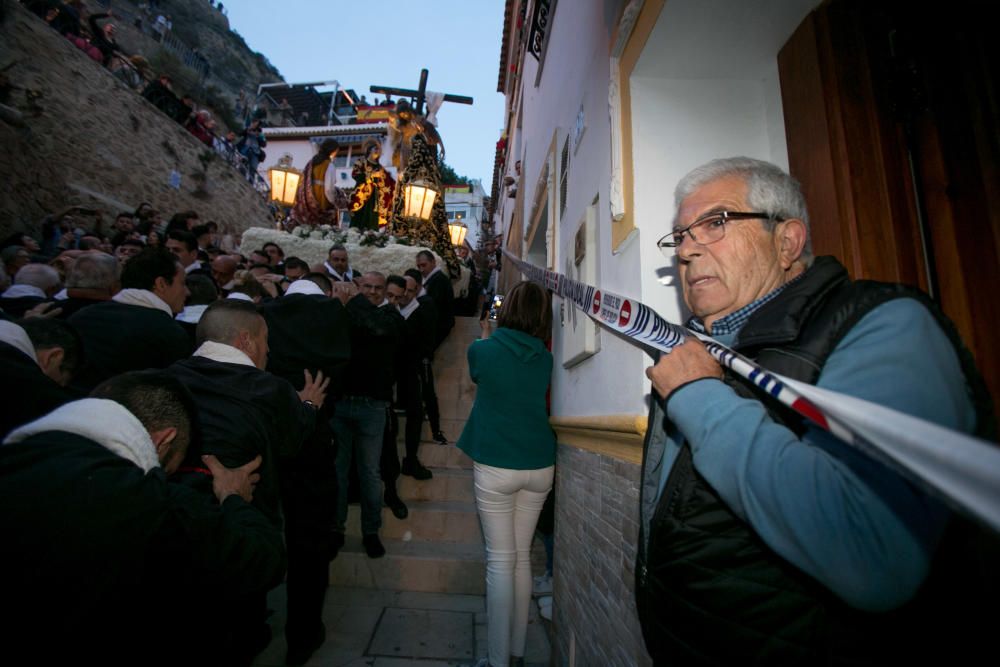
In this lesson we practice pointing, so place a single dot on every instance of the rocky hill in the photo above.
(71, 133)
(200, 31)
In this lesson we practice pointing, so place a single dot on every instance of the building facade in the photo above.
(608, 104)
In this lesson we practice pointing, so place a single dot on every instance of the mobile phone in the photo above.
(496, 305)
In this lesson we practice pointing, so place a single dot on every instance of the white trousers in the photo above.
(509, 502)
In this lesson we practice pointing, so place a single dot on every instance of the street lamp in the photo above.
(418, 198)
(284, 181)
(457, 230)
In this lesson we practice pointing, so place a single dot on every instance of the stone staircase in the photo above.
(438, 548)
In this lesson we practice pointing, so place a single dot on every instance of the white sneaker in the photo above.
(542, 585)
(545, 607)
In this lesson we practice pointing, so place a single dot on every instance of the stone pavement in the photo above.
(423, 603)
(376, 628)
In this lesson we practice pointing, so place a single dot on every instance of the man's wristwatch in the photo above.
(311, 404)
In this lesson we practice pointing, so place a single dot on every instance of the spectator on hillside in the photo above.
(103, 37)
(202, 126)
(251, 146)
(133, 71)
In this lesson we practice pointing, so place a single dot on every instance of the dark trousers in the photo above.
(410, 397)
(389, 462)
(309, 499)
(430, 398)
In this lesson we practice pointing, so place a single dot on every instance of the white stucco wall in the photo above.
(576, 73)
(705, 86)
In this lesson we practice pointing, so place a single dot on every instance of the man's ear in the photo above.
(791, 240)
(162, 440)
(50, 360)
(160, 285)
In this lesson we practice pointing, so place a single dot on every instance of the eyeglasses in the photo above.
(710, 228)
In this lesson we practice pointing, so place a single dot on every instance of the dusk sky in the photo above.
(386, 43)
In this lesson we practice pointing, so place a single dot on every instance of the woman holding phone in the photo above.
(514, 449)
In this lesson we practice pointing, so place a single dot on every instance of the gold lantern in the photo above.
(418, 198)
(284, 181)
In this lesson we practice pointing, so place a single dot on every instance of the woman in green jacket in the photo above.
(514, 449)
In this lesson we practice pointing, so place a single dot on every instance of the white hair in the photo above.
(42, 276)
(769, 190)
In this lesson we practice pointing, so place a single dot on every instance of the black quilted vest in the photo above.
(709, 591)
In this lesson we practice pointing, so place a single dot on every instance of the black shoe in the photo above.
(300, 652)
(415, 469)
(336, 543)
(439, 438)
(373, 546)
(397, 506)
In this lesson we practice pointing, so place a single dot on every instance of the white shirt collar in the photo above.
(18, 291)
(436, 269)
(408, 310)
(224, 353)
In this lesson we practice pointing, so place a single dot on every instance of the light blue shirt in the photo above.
(841, 517)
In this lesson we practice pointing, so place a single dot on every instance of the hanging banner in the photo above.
(960, 469)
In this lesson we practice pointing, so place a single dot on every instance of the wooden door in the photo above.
(892, 116)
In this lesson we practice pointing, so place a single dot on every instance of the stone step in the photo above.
(430, 567)
(428, 521)
(448, 484)
(434, 456)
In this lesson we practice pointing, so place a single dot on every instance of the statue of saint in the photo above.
(371, 200)
(318, 201)
(404, 125)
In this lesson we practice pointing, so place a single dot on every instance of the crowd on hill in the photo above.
(95, 33)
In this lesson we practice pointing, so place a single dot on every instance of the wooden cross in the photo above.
(419, 94)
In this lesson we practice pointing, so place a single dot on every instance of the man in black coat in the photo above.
(93, 278)
(360, 412)
(438, 287)
(308, 330)
(245, 413)
(101, 551)
(418, 346)
(442, 325)
(32, 393)
(136, 329)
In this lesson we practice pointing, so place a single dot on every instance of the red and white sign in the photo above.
(625, 314)
(597, 302)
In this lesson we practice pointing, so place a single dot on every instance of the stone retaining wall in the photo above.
(86, 139)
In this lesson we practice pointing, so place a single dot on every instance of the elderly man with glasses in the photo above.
(763, 538)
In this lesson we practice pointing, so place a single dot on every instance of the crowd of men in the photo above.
(186, 427)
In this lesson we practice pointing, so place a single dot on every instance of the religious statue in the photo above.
(318, 201)
(371, 200)
(404, 125)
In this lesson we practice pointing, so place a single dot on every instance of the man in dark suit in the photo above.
(185, 246)
(93, 278)
(308, 330)
(97, 532)
(437, 285)
(33, 284)
(418, 346)
(136, 329)
(246, 413)
(338, 267)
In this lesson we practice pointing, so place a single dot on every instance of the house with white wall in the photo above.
(608, 104)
